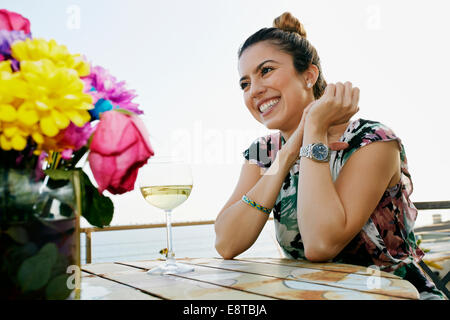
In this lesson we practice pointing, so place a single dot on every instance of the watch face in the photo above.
(320, 152)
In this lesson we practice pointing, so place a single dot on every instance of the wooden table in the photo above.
(242, 279)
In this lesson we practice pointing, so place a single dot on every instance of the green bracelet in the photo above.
(255, 205)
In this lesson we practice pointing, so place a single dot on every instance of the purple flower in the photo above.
(7, 38)
(103, 86)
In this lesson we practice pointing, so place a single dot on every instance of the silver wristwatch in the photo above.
(316, 151)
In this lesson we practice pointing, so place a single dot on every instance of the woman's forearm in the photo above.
(238, 227)
(319, 209)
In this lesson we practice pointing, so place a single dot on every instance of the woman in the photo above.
(351, 203)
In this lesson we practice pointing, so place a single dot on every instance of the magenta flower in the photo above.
(38, 171)
(73, 138)
(108, 93)
(10, 20)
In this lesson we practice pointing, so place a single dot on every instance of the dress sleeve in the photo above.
(262, 151)
(365, 132)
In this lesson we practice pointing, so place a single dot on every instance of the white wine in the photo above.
(166, 197)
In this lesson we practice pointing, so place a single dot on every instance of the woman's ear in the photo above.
(310, 75)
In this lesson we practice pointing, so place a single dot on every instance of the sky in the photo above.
(181, 58)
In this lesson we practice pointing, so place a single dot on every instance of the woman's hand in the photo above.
(337, 105)
(294, 143)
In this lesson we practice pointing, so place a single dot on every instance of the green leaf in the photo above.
(126, 112)
(35, 271)
(14, 256)
(57, 288)
(96, 208)
(59, 174)
(18, 234)
(50, 252)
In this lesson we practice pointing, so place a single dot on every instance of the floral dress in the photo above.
(387, 239)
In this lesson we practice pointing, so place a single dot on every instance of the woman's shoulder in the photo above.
(369, 131)
(362, 132)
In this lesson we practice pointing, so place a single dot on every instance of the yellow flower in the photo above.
(55, 97)
(38, 49)
(11, 136)
(43, 97)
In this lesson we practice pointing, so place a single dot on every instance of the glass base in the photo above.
(171, 268)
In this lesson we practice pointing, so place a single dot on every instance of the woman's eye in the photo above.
(244, 85)
(265, 70)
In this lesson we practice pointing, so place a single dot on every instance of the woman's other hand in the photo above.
(294, 143)
(336, 106)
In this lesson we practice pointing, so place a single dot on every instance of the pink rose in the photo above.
(13, 21)
(119, 147)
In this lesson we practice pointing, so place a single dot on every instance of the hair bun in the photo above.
(287, 22)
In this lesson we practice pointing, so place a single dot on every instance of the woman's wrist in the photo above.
(287, 158)
(314, 132)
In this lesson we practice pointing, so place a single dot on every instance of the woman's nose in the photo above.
(257, 89)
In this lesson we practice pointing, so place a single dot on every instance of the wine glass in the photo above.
(165, 183)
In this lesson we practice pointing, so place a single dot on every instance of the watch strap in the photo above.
(306, 151)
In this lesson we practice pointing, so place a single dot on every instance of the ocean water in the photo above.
(192, 242)
(188, 241)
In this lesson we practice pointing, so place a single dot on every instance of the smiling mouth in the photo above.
(265, 107)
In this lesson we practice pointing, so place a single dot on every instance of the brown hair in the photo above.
(287, 22)
(289, 34)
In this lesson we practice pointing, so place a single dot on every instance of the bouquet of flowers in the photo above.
(55, 109)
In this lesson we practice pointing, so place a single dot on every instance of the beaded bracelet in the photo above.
(255, 205)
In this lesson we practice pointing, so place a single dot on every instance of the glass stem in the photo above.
(170, 253)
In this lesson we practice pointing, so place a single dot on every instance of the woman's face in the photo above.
(274, 93)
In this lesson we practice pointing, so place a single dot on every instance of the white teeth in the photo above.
(264, 107)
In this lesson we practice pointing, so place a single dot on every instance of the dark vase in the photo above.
(39, 236)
